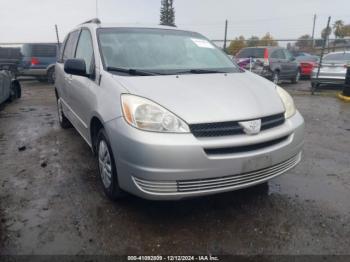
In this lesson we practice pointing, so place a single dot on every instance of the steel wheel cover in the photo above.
(105, 164)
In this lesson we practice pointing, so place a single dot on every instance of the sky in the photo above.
(34, 20)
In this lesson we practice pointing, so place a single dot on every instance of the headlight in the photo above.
(147, 115)
(287, 102)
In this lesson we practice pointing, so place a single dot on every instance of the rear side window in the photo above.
(85, 49)
(287, 54)
(44, 50)
(338, 56)
(251, 52)
(278, 54)
(70, 45)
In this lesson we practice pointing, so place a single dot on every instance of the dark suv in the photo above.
(39, 61)
(274, 63)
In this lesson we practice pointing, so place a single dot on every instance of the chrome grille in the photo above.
(232, 127)
(218, 183)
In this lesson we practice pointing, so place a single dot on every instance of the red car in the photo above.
(307, 64)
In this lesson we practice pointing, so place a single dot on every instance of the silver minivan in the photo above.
(169, 115)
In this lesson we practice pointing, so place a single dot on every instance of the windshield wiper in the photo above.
(200, 71)
(131, 71)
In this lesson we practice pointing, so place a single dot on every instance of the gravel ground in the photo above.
(51, 200)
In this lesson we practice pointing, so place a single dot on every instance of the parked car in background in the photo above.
(307, 64)
(39, 61)
(273, 63)
(299, 53)
(10, 55)
(171, 116)
(332, 69)
(10, 88)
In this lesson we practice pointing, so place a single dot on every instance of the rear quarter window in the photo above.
(70, 45)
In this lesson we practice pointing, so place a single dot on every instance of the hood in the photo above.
(205, 98)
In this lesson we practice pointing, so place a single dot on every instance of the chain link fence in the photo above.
(311, 46)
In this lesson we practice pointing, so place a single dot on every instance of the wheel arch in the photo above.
(96, 124)
(49, 67)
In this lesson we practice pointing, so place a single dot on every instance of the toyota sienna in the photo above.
(169, 115)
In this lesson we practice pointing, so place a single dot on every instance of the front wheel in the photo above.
(62, 119)
(15, 92)
(315, 85)
(296, 78)
(107, 168)
(276, 77)
(51, 76)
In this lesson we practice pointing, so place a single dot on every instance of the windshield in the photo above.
(337, 56)
(160, 51)
(251, 52)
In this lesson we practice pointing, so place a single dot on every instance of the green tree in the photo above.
(346, 30)
(253, 41)
(326, 33)
(236, 45)
(167, 13)
(338, 29)
(267, 40)
(304, 42)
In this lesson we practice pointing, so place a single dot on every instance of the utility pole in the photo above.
(322, 53)
(313, 31)
(225, 38)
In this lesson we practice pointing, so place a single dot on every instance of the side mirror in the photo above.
(292, 58)
(75, 67)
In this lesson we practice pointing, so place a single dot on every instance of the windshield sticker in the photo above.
(202, 43)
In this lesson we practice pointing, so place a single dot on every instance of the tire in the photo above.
(13, 92)
(19, 90)
(107, 168)
(51, 76)
(275, 77)
(296, 78)
(315, 85)
(62, 119)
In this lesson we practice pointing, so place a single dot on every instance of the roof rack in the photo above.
(92, 21)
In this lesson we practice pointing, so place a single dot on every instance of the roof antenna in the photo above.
(58, 39)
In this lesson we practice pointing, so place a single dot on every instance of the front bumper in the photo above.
(174, 166)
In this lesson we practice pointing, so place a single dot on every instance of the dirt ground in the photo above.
(51, 199)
